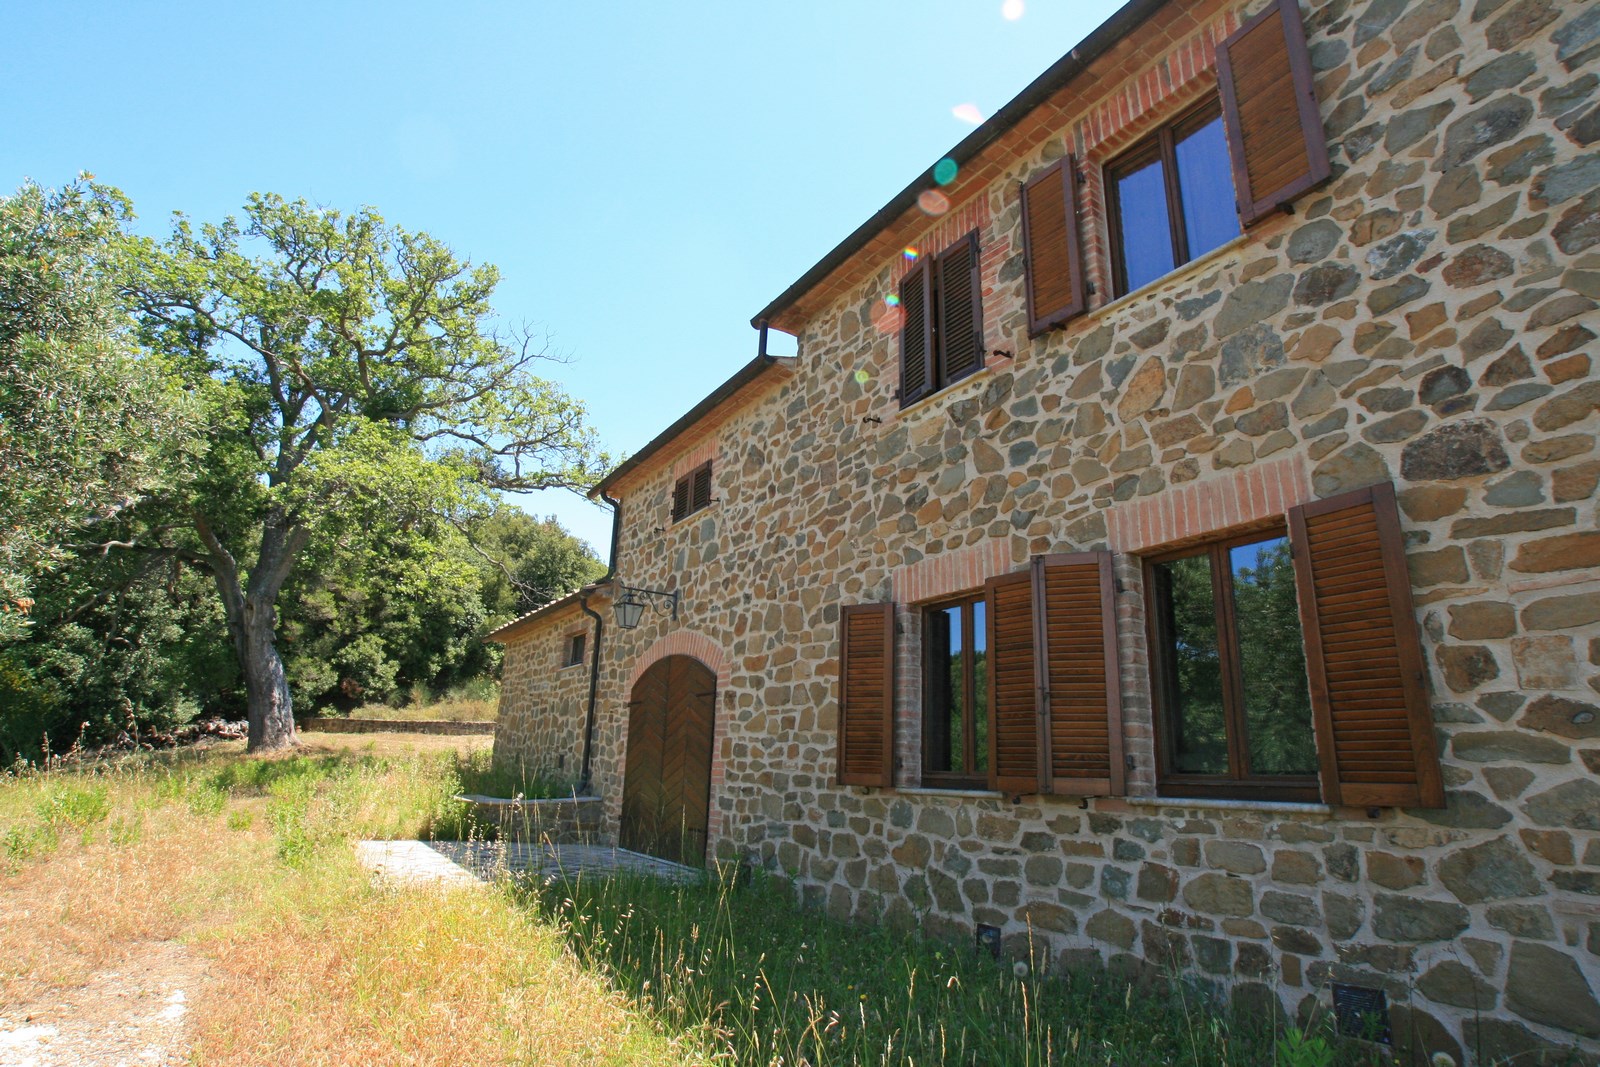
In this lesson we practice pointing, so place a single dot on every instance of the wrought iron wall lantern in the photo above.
(632, 601)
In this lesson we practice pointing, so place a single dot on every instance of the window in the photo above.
(1171, 198)
(955, 694)
(942, 339)
(692, 492)
(572, 650)
(1231, 689)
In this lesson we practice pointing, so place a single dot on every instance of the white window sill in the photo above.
(955, 390)
(1286, 807)
(929, 791)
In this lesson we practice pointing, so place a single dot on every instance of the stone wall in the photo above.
(542, 703)
(1426, 319)
(570, 820)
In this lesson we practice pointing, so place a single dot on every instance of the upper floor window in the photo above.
(692, 492)
(572, 649)
(942, 339)
(1171, 198)
(955, 694)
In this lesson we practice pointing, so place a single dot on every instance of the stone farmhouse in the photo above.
(1174, 543)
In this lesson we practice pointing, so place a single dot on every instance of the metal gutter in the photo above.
(1100, 40)
(599, 634)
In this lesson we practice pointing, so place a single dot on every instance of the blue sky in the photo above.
(647, 176)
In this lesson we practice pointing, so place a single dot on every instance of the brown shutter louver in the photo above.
(1051, 249)
(680, 498)
(700, 496)
(1374, 726)
(916, 336)
(960, 335)
(1269, 107)
(1077, 643)
(1016, 765)
(866, 695)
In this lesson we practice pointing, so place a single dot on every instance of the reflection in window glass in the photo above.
(1272, 660)
(955, 720)
(957, 687)
(1205, 183)
(980, 687)
(1143, 224)
(1191, 666)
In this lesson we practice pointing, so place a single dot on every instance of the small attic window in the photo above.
(572, 649)
(692, 492)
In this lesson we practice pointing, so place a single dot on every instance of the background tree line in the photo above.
(259, 466)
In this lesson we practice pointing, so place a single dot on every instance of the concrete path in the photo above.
(478, 862)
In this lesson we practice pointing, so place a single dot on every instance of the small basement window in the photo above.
(1231, 691)
(572, 649)
(692, 492)
(1170, 198)
(955, 702)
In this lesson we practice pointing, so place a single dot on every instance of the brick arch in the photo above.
(683, 643)
(707, 651)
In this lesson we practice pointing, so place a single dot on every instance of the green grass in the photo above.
(478, 773)
(767, 982)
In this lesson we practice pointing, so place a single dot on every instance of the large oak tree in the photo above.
(353, 376)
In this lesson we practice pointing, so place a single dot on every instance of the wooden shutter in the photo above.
(1016, 742)
(960, 300)
(1269, 107)
(680, 498)
(1077, 652)
(1051, 249)
(866, 695)
(1374, 727)
(700, 497)
(916, 336)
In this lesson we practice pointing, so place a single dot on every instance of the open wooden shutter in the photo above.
(701, 495)
(1016, 744)
(1051, 248)
(1077, 652)
(916, 336)
(1269, 107)
(1374, 727)
(680, 498)
(866, 695)
(960, 335)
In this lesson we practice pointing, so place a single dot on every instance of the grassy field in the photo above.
(248, 865)
(478, 701)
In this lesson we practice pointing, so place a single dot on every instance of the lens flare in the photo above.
(1012, 10)
(968, 113)
(933, 202)
(862, 377)
(944, 171)
(910, 254)
(893, 300)
(891, 318)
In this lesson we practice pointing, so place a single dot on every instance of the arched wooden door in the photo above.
(666, 796)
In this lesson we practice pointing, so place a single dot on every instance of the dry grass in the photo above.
(249, 863)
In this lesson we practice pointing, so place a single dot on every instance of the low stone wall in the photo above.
(395, 726)
(560, 821)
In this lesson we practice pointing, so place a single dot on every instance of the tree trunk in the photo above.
(267, 700)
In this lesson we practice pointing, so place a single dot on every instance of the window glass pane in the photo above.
(1191, 669)
(1205, 183)
(980, 694)
(1146, 235)
(958, 692)
(1277, 698)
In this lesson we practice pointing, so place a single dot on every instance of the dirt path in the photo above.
(134, 1014)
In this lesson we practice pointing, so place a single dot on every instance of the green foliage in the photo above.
(532, 562)
(763, 981)
(89, 424)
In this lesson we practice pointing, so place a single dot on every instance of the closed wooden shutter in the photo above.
(701, 495)
(1077, 650)
(680, 498)
(866, 695)
(960, 300)
(1016, 763)
(1374, 727)
(1051, 249)
(916, 336)
(1269, 107)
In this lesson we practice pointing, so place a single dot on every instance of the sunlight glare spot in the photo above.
(944, 171)
(910, 253)
(1012, 10)
(968, 113)
(933, 202)
(862, 377)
